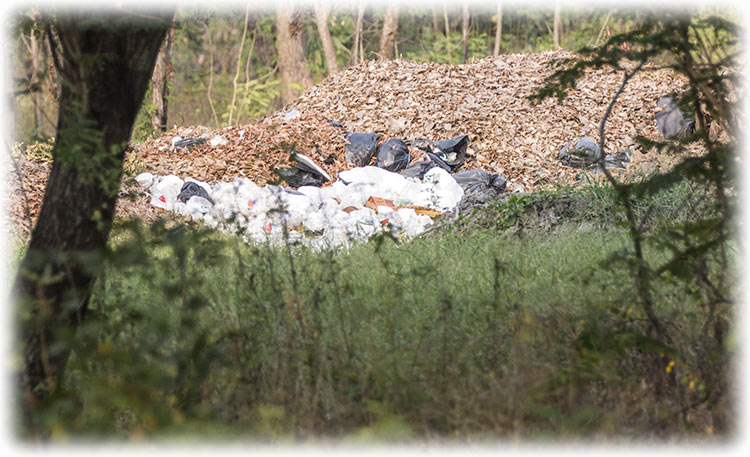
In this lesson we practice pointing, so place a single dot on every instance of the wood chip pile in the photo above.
(485, 99)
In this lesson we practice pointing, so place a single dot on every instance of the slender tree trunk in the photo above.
(36, 94)
(159, 86)
(322, 12)
(435, 20)
(558, 26)
(357, 54)
(604, 27)
(295, 76)
(498, 29)
(248, 65)
(465, 29)
(239, 66)
(446, 20)
(390, 26)
(105, 67)
(210, 87)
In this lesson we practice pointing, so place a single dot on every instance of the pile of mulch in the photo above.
(485, 99)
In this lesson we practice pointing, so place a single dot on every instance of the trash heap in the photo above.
(362, 202)
(411, 182)
(397, 105)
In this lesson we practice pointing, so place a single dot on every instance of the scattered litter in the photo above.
(164, 192)
(360, 147)
(670, 121)
(292, 114)
(479, 180)
(304, 173)
(193, 188)
(145, 179)
(618, 160)
(362, 202)
(393, 155)
(188, 143)
(218, 140)
(584, 153)
(452, 152)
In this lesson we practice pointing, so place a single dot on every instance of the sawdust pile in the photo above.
(486, 99)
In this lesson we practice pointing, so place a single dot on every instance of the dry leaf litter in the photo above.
(485, 99)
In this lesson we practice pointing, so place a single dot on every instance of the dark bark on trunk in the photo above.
(292, 63)
(35, 51)
(106, 63)
(159, 86)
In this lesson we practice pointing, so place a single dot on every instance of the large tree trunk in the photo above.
(105, 63)
(159, 87)
(322, 12)
(292, 64)
(390, 26)
(498, 29)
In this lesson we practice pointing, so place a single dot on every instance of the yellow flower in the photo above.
(691, 386)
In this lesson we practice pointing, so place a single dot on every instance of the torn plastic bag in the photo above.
(479, 180)
(191, 188)
(670, 121)
(619, 160)
(360, 147)
(304, 173)
(584, 153)
(452, 152)
(393, 155)
(418, 168)
(188, 143)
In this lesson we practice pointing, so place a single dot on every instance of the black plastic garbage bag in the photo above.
(304, 173)
(188, 143)
(360, 147)
(618, 160)
(393, 155)
(452, 152)
(417, 169)
(670, 121)
(476, 180)
(582, 154)
(190, 189)
(426, 163)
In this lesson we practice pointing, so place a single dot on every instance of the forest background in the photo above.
(220, 64)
